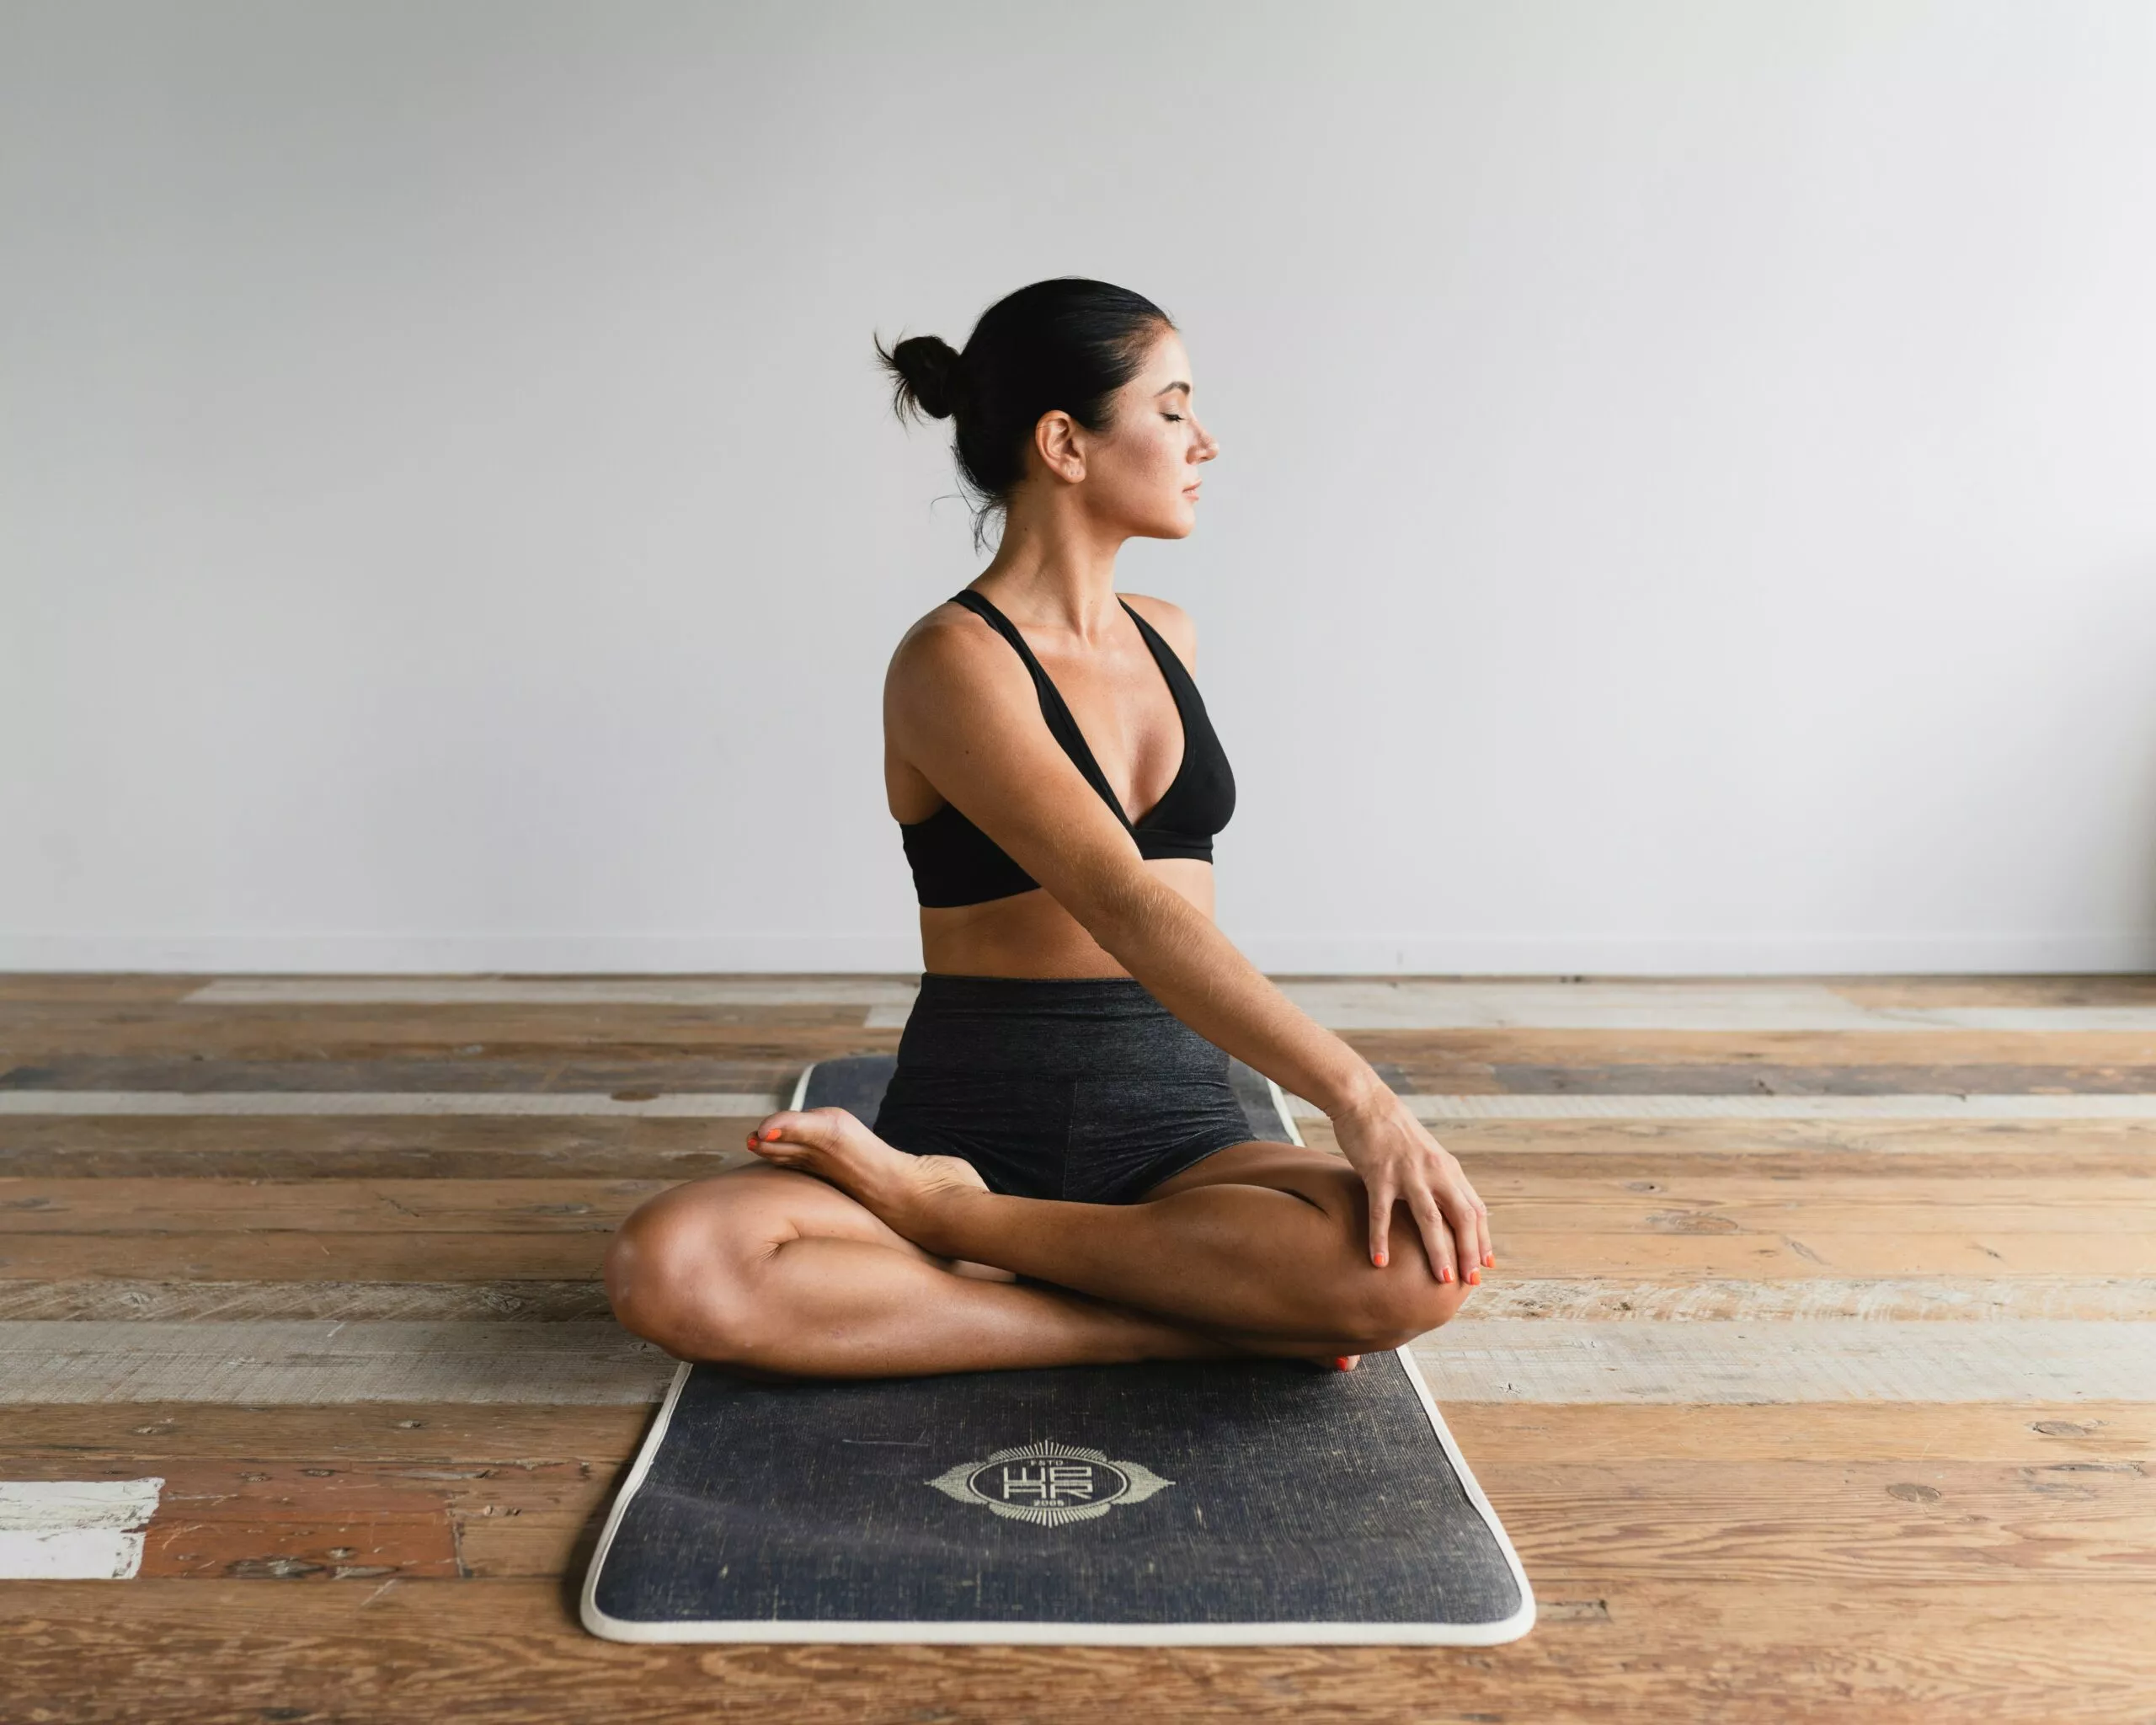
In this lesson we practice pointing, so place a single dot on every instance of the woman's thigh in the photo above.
(1319, 1178)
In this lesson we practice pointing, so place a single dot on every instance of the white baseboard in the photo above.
(1337, 954)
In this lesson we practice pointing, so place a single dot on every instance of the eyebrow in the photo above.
(1184, 387)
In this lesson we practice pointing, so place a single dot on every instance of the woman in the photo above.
(1059, 1173)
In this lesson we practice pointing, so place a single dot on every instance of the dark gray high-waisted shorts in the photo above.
(1085, 1088)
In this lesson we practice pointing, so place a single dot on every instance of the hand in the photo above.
(1399, 1160)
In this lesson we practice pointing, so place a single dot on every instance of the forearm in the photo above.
(1198, 974)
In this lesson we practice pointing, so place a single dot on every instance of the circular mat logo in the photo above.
(1050, 1483)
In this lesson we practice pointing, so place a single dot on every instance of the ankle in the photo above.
(946, 1221)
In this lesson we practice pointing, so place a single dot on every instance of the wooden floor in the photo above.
(1817, 1379)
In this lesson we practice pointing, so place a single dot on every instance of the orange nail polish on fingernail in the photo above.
(1475, 1278)
(1444, 1275)
(1379, 1260)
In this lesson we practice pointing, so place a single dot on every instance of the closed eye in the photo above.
(1176, 418)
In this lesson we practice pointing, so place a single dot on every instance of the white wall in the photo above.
(1685, 503)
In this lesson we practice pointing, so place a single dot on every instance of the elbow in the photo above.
(1120, 907)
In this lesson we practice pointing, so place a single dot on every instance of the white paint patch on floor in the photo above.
(2013, 1359)
(505, 992)
(687, 1104)
(74, 1530)
(287, 1363)
(2082, 1106)
(1342, 1004)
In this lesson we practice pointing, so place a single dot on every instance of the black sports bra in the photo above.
(955, 863)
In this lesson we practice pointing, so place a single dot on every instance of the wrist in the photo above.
(1359, 1090)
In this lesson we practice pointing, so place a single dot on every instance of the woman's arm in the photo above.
(962, 707)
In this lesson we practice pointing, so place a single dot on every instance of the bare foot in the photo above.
(902, 1190)
(908, 1192)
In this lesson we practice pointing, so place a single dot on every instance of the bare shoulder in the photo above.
(1173, 622)
(949, 652)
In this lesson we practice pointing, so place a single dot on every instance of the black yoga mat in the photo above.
(1166, 1502)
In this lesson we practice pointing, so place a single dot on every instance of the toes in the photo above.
(807, 1128)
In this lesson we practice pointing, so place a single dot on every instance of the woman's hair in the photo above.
(1067, 342)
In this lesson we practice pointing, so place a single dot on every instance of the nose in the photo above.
(1206, 447)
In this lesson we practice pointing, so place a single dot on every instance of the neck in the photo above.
(1056, 569)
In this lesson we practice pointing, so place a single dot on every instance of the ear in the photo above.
(1059, 439)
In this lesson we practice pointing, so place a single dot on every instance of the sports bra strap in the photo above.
(1061, 722)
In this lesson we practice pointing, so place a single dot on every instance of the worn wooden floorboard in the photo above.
(2033, 1433)
(439, 1256)
(1526, 1200)
(2029, 990)
(647, 1147)
(1618, 1650)
(1534, 1360)
(484, 1034)
(1907, 1522)
(1610, 1298)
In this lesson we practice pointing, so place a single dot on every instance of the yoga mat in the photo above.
(1167, 1503)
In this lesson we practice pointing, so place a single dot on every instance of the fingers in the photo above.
(1475, 1250)
(1445, 1263)
(1382, 1198)
(1467, 1239)
(1474, 1239)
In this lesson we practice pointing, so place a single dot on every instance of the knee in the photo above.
(1415, 1302)
(673, 1274)
(1387, 1308)
(1379, 1308)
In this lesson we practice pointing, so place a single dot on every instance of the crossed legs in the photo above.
(841, 1257)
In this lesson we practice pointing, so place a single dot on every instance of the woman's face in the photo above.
(1143, 476)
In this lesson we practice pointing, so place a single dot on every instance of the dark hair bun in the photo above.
(931, 371)
(1069, 343)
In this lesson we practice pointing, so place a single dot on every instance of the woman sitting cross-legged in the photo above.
(1060, 1172)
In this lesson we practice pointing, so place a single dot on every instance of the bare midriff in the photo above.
(1030, 934)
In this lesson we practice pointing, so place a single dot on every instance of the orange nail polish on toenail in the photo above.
(771, 1135)
(1340, 1361)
